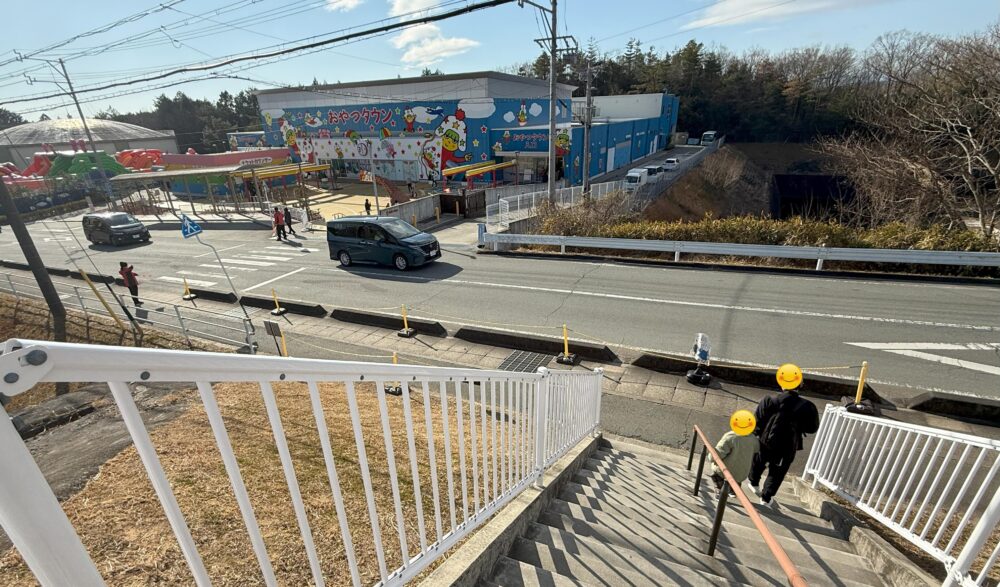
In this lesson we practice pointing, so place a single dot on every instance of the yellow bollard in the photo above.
(406, 332)
(278, 310)
(395, 360)
(565, 358)
(861, 381)
(284, 347)
(437, 213)
(188, 296)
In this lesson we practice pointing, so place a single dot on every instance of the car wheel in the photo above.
(345, 258)
(400, 262)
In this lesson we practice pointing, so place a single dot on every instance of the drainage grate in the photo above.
(524, 362)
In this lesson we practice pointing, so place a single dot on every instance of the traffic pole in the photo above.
(565, 357)
(861, 382)
(278, 310)
(406, 332)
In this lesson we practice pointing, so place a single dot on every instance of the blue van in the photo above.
(385, 240)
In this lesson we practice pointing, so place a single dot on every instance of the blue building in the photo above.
(412, 129)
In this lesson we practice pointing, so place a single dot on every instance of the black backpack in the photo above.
(781, 430)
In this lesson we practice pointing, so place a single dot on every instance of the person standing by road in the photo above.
(288, 222)
(782, 423)
(368, 207)
(279, 224)
(131, 281)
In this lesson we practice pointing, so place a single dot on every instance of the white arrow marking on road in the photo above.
(253, 263)
(290, 273)
(915, 350)
(196, 282)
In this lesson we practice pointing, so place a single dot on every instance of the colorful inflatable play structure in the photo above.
(140, 159)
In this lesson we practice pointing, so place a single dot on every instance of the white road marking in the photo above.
(219, 250)
(263, 283)
(287, 250)
(215, 266)
(51, 239)
(265, 258)
(195, 282)
(252, 263)
(915, 350)
(685, 303)
(199, 274)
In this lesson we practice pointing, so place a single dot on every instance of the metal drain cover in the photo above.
(524, 362)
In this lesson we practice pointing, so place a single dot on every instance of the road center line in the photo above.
(690, 304)
(263, 283)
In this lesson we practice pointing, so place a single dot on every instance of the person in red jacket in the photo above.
(131, 281)
(279, 224)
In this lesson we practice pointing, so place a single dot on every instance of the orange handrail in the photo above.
(795, 578)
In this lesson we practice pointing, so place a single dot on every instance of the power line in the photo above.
(350, 36)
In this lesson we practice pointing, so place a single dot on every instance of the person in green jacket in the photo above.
(736, 448)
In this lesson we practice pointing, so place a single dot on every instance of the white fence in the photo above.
(493, 195)
(820, 254)
(506, 428)
(927, 485)
(519, 207)
(422, 208)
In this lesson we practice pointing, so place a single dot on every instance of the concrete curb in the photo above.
(474, 560)
(871, 276)
(218, 296)
(59, 272)
(15, 265)
(814, 384)
(93, 277)
(390, 321)
(883, 558)
(980, 409)
(535, 343)
(293, 306)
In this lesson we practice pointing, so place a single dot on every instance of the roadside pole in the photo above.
(371, 163)
(588, 119)
(34, 260)
(188, 229)
(553, 57)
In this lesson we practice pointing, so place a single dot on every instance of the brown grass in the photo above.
(122, 525)
(30, 319)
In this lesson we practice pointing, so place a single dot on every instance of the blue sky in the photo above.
(205, 30)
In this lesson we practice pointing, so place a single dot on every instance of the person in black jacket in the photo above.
(782, 423)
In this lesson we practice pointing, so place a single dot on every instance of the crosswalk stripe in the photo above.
(251, 263)
(265, 257)
(195, 282)
(230, 268)
(215, 275)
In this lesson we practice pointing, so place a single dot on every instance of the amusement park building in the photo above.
(19, 144)
(411, 129)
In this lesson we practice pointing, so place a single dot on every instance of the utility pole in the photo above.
(83, 119)
(588, 119)
(34, 260)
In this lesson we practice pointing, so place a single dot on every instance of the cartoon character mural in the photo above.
(562, 143)
(522, 115)
(446, 147)
(409, 117)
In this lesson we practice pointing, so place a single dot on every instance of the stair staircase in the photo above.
(629, 518)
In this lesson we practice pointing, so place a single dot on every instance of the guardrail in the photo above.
(519, 207)
(820, 254)
(505, 427)
(926, 485)
(185, 320)
(795, 578)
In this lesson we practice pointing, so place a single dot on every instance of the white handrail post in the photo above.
(960, 569)
(599, 379)
(541, 418)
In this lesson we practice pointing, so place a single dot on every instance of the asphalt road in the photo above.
(919, 335)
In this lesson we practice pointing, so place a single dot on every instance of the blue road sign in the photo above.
(189, 227)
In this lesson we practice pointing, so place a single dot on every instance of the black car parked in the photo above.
(114, 228)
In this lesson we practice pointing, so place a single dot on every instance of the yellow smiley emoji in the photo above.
(789, 376)
(742, 422)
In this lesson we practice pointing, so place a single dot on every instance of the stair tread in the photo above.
(599, 572)
(510, 571)
(817, 566)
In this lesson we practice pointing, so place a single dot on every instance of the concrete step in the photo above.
(508, 572)
(822, 569)
(662, 515)
(679, 492)
(619, 571)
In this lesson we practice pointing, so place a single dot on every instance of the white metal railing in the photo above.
(925, 484)
(188, 321)
(820, 254)
(505, 427)
(522, 206)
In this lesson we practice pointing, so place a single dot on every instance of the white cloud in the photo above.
(415, 35)
(736, 12)
(535, 109)
(400, 7)
(430, 51)
(342, 5)
(478, 107)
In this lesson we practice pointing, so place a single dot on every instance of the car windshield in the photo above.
(399, 228)
(632, 178)
(121, 219)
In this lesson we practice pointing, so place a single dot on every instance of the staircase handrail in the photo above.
(795, 578)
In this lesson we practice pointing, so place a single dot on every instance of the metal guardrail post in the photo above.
(541, 430)
(13, 290)
(83, 306)
(701, 469)
(180, 321)
(720, 511)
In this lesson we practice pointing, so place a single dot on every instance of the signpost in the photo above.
(191, 228)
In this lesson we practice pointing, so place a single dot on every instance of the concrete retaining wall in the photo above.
(538, 344)
(391, 321)
(423, 208)
(293, 306)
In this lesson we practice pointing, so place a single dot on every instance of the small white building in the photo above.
(18, 144)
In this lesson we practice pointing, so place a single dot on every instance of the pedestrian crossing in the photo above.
(209, 274)
(194, 282)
